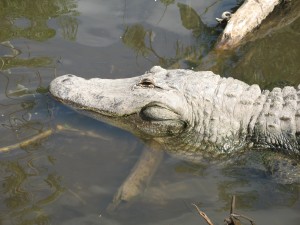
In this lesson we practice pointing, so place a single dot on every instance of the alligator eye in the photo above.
(147, 82)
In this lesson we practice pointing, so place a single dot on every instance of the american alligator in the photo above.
(193, 114)
(197, 116)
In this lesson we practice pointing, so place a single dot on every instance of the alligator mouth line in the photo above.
(78, 106)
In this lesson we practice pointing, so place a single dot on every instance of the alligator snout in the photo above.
(60, 86)
(66, 81)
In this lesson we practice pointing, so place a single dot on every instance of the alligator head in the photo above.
(181, 109)
(152, 105)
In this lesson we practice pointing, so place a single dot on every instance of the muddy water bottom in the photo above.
(70, 177)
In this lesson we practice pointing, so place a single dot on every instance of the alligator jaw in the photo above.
(102, 96)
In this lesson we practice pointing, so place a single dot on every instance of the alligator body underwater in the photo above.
(192, 114)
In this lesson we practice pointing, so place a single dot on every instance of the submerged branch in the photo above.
(46, 134)
(27, 142)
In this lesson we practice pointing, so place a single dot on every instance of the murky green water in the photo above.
(70, 176)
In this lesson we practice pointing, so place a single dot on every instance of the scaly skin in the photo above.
(193, 114)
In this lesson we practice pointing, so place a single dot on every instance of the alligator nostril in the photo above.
(64, 80)
(67, 81)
